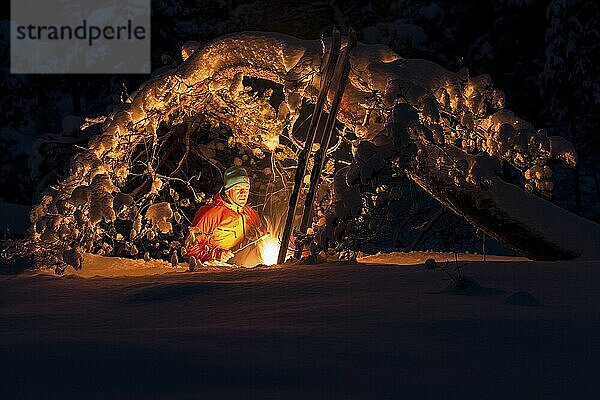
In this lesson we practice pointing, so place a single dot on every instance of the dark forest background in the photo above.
(540, 53)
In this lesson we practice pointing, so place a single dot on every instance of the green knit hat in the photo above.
(234, 176)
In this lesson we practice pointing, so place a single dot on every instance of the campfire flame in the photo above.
(269, 250)
(269, 246)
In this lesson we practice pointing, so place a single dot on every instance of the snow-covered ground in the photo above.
(382, 328)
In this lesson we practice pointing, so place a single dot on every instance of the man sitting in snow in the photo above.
(220, 227)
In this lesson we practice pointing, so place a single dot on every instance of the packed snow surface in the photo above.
(380, 330)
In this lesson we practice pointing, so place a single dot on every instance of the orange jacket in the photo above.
(220, 226)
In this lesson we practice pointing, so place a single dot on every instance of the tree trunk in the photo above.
(527, 223)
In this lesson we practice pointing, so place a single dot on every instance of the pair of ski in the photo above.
(334, 78)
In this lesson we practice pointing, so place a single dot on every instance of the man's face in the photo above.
(239, 193)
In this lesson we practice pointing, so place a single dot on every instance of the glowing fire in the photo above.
(269, 250)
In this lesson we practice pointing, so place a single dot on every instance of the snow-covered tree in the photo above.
(448, 132)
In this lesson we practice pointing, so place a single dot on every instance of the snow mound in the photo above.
(112, 267)
(420, 257)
